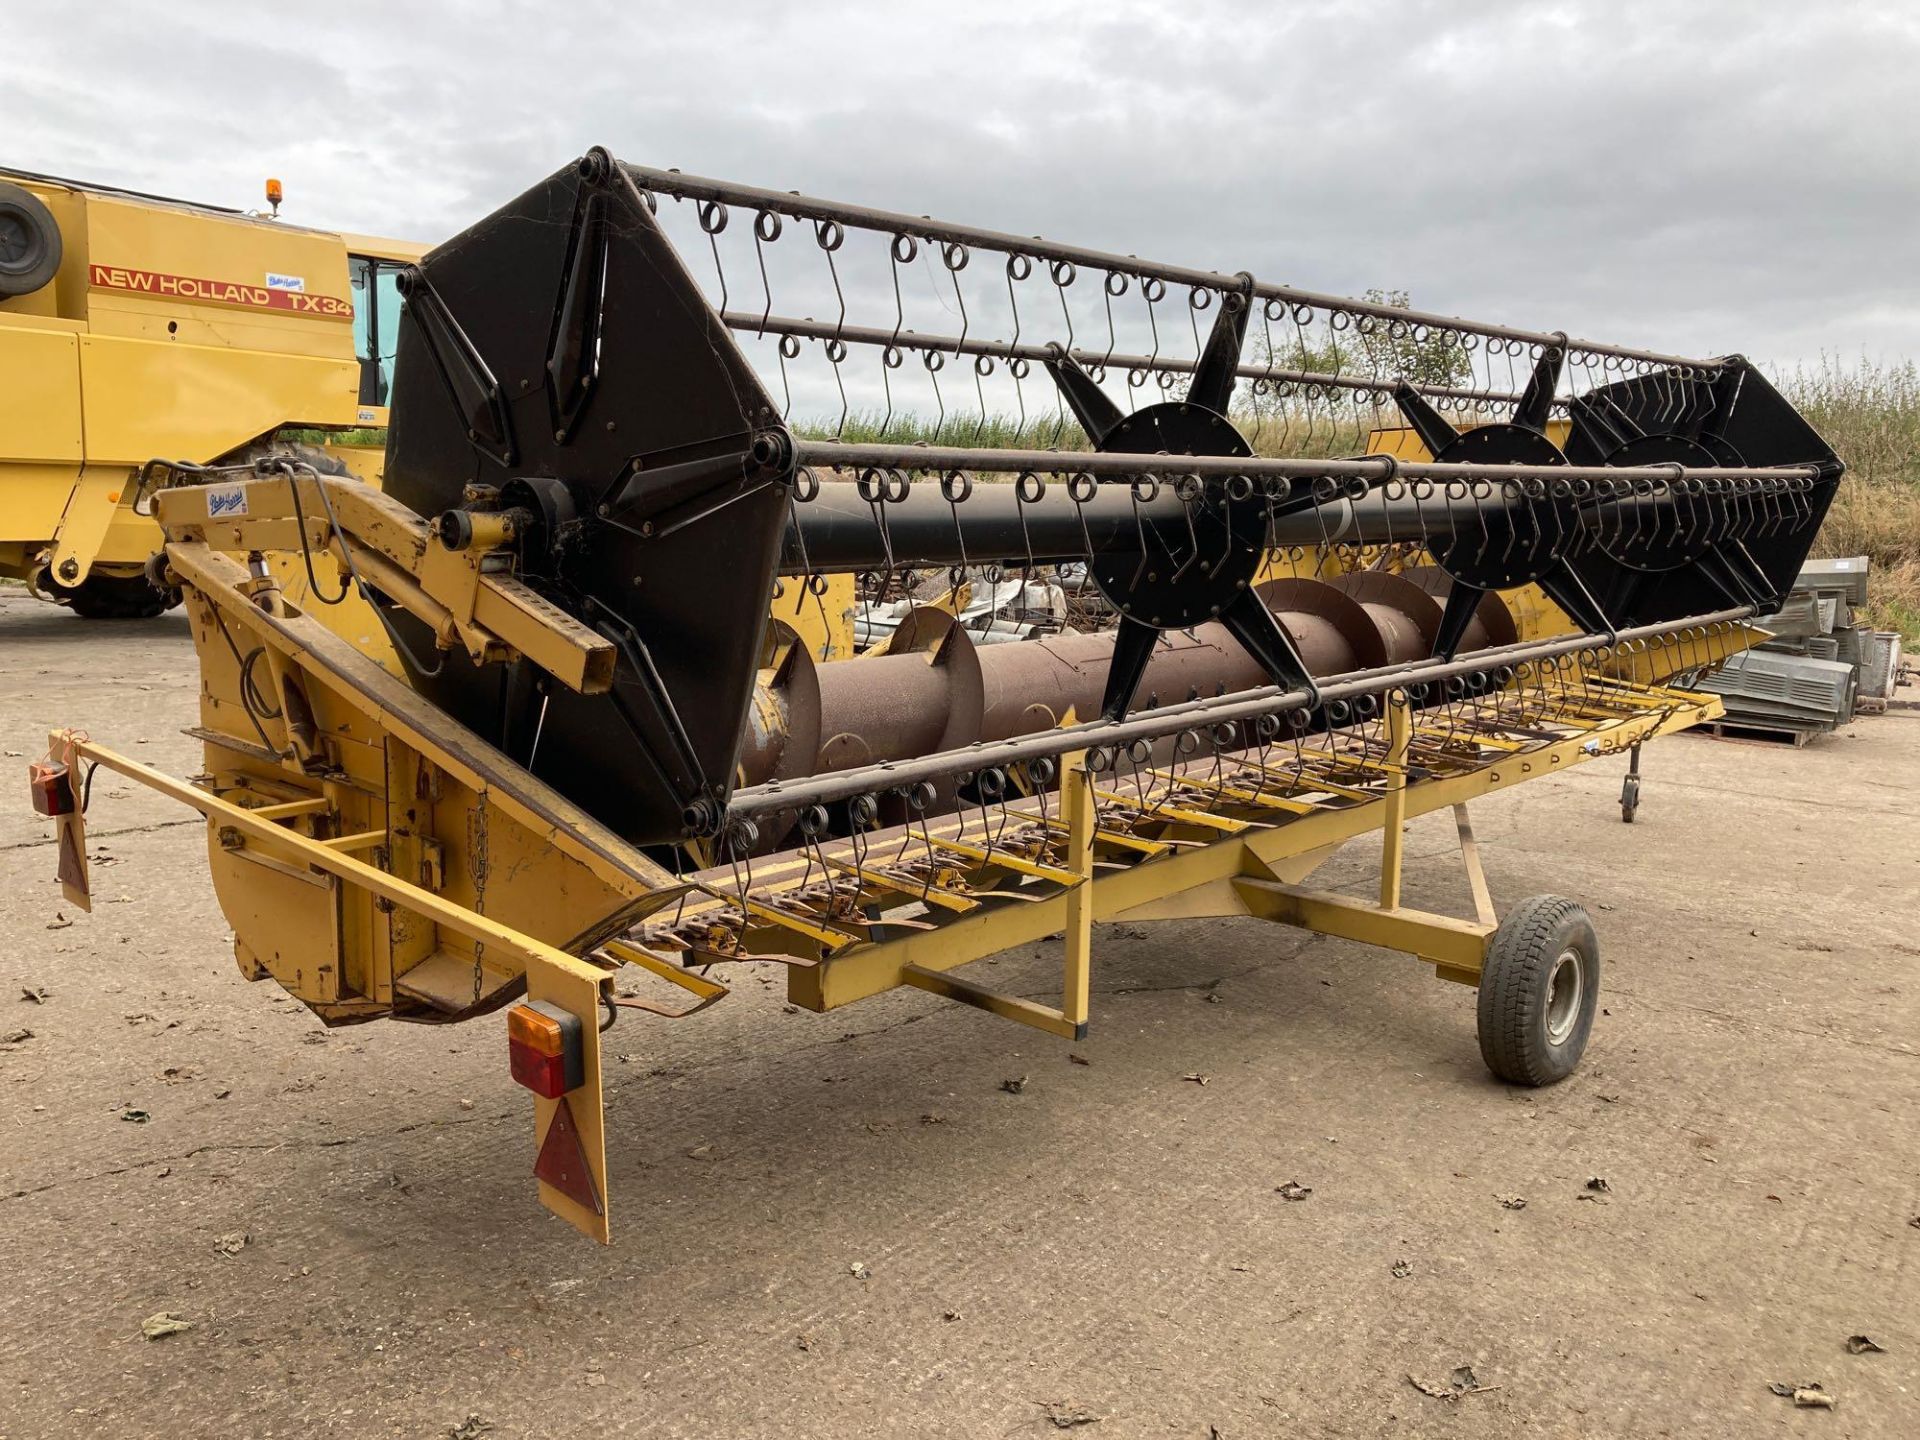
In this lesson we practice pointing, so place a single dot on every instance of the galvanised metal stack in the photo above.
(1881, 670)
(1821, 666)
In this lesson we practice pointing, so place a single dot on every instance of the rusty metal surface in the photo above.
(935, 690)
(1705, 638)
(1406, 616)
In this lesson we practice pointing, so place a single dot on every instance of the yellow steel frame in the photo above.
(1069, 1018)
(1254, 872)
(343, 820)
(461, 594)
(552, 974)
(1215, 865)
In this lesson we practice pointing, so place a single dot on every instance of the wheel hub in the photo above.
(14, 240)
(1565, 986)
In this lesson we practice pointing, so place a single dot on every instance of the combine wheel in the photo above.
(118, 597)
(29, 243)
(1539, 987)
(313, 455)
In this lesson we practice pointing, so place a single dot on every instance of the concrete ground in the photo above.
(1106, 1245)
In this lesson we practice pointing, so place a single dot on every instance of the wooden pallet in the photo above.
(1748, 733)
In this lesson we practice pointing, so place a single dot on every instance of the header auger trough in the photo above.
(537, 712)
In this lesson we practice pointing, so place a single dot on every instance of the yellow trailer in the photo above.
(133, 326)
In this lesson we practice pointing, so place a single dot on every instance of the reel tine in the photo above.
(1593, 430)
(1726, 390)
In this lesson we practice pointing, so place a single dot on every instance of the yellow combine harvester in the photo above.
(526, 728)
(133, 326)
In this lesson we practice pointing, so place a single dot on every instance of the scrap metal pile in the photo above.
(1293, 568)
(1823, 663)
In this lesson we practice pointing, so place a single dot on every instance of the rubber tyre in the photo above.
(1533, 1030)
(29, 243)
(322, 463)
(136, 597)
(119, 597)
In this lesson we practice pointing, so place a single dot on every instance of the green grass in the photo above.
(996, 432)
(366, 435)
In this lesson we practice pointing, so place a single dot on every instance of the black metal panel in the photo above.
(1736, 551)
(566, 321)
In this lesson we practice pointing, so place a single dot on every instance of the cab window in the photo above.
(376, 324)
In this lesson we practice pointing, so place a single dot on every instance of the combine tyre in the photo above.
(29, 243)
(118, 597)
(105, 596)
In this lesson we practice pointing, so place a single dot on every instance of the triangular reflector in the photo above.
(563, 1161)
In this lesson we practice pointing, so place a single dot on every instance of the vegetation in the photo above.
(1372, 350)
(1045, 429)
(1870, 414)
(364, 435)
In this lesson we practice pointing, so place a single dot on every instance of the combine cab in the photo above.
(133, 326)
(571, 741)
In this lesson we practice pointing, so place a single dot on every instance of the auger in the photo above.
(551, 715)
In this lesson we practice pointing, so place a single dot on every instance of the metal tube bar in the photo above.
(807, 207)
(1077, 807)
(1392, 841)
(839, 531)
(833, 454)
(1171, 719)
(512, 945)
(1483, 910)
(1382, 389)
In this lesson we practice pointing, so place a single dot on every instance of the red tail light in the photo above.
(544, 1048)
(52, 787)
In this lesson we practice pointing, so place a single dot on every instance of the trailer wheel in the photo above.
(1539, 989)
(1629, 798)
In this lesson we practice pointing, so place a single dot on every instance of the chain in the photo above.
(478, 867)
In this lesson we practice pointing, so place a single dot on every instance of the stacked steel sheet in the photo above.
(1820, 666)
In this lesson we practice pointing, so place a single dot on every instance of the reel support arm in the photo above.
(465, 594)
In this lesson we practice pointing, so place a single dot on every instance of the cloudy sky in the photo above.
(1698, 176)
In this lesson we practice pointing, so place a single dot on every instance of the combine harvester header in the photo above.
(525, 718)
